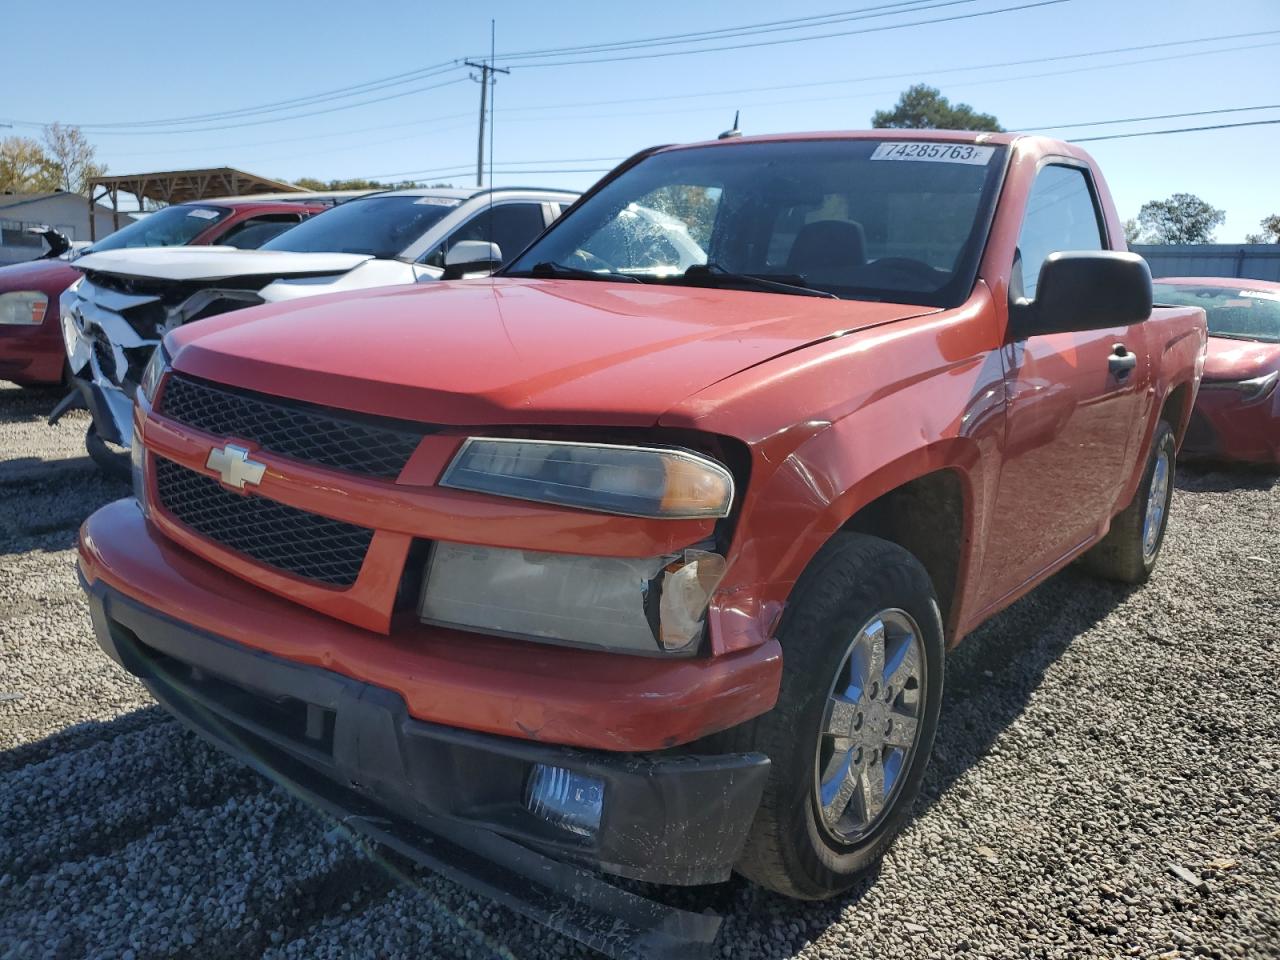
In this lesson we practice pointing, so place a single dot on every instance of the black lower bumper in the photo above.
(452, 799)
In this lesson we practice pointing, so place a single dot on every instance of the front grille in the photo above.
(307, 432)
(304, 544)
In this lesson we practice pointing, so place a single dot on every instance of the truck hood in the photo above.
(1231, 359)
(513, 351)
(216, 263)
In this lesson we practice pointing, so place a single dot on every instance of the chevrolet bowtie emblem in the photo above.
(234, 466)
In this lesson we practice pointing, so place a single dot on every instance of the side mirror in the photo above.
(467, 257)
(1086, 290)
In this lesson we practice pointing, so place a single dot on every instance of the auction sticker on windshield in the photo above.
(935, 152)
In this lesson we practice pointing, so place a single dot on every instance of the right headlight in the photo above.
(633, 481)
(645, 605)
(154, 372)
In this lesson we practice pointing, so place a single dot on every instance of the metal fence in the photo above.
(1256, 261)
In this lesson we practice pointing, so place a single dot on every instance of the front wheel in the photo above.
(112, 462)
(1129, 551)
(850, 736)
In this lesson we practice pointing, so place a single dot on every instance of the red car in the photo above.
(623, 562)
(32, 352)
(1237, 414)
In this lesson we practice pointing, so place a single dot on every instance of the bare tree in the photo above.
(72, 154)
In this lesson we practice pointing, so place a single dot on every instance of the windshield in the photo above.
(380, 226)
(171, 227)
(1234, 311)
(860, 219)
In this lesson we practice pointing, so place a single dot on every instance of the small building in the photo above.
(63, 211)
(1252, 261)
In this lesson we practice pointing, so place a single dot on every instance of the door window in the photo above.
(1061, 215)
(512, 226)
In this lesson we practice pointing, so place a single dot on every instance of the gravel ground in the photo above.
(1106, 780)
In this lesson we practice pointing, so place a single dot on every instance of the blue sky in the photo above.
(238, 54)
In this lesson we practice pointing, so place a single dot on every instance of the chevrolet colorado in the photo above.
(621, 565)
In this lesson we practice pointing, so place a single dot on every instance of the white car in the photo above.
(113, 317)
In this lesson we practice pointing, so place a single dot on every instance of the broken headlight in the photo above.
(611, 478)
(651, 605)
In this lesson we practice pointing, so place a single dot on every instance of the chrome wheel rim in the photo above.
(870, 726)
(1157, 503)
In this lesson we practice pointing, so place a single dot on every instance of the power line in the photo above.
(258, 123)
(909, 74)
(821, 36)
(725, 33)
(1162, 116)
(1161, 133)
(281, 105)
(919, 75)
(741, 90)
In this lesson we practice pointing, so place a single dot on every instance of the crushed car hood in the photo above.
(1231, 359)
(216, 263)
(513, 351)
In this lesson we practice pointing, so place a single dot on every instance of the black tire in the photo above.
(114, 464)
(852, 579)
(1120, 555)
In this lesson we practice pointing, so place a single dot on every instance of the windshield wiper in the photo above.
(549, 268)
(718, 275)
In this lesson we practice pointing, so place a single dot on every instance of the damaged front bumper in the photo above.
(110, 333)
(455, 800)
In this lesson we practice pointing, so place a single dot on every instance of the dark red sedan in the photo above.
(31, 348)
(1237, 414)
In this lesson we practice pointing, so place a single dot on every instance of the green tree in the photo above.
(1270, 231)
(1183, 218)
(72, 154)
(925, 108)
(1132, 231)
(25, 167)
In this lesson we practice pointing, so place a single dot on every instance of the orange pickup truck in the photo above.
(640, 558)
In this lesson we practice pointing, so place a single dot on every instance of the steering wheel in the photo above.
(589, 261)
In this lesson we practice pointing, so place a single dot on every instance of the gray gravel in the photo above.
(1106, 781)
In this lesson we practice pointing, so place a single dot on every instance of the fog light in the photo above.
(571, 801)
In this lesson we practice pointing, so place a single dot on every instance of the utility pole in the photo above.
(487, 70)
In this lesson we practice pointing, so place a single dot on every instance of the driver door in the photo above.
(1073, 402)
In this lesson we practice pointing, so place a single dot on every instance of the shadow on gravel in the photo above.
(1222, 478)
(990, 679)
(33, 403)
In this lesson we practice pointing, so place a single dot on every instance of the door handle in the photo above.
(1121, 362)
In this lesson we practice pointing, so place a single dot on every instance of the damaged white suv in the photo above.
(113, 316)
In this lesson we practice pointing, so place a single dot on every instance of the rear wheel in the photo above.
(850, 736)
(1129, 551)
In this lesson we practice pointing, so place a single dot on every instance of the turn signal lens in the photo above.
(633, 481)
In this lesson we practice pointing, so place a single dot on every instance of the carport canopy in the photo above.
(180, 186)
